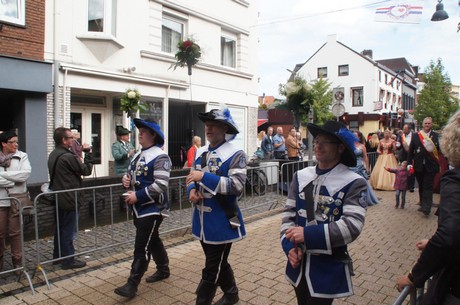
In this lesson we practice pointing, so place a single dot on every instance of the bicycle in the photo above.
(256, 180)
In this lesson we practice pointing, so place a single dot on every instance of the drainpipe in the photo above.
(166, 117)
(64, 89)
(56, 68)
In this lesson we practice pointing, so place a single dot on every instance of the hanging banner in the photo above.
(401, 13)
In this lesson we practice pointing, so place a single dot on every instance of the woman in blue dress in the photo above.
(362, 167)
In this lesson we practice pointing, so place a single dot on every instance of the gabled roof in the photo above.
(397, 64)
(298, 66)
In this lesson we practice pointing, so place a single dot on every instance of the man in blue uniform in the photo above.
(149, 179)
(217, 177)
(324, 212)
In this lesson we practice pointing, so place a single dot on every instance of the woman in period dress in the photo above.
(380, 178)
(362, 166)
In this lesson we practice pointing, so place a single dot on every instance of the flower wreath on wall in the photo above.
(188, 55)
(130, 102)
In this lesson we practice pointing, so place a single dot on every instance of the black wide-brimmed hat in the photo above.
(342, 134)
(222, 116)
(153, 126)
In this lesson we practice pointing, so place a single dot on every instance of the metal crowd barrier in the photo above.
(22, 270)
(288, 168)
(415, 294)
(101, 226)
(372, 156)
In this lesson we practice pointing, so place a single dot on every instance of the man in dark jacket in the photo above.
(440, 257)
(66, 169)
(404, 141)
(423, 155)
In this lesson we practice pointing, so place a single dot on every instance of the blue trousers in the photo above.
(64, 234)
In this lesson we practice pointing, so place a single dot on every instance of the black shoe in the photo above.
(157, 276)
(128, 290)
(396, 206)
(426, 213)
(419, 210)
(74, 265)
(418, 203)
(411, 190)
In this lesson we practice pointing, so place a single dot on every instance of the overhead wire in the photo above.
(298, 17)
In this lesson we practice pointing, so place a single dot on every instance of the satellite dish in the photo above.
(338, 109)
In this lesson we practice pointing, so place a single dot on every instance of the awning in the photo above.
(261, 121)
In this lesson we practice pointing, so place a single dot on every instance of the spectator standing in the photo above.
(292, 145)
(122, 151)
(214, 183)
(267, 144)
(148, 179)
(67, 175)
(440, 256)
(402, 175)
(373, 143)
(303, 147)
(260, 137)
(15, 169)
(279, 144)
(404, 140)
(76, 147)
(423, 155)
(196, 143)
(324, 212)
(362, 167)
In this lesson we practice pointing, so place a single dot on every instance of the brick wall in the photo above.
(26, 42)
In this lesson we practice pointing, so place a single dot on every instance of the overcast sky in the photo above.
(291, 31)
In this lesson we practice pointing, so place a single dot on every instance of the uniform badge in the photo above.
(166, 165)
(242, 162)
(302, 195)
(363, 199)
(338, 202)
(335, 212)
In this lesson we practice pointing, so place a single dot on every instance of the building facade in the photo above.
(101, 48)
(25, 79)
(369, 93)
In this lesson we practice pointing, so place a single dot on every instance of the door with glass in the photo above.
(89, 122)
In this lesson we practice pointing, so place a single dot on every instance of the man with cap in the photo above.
(324, 212)
(217, 177)
(148, 179)
(122, 151)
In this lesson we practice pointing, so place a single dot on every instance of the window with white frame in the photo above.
(322, 72)
(13, 12)
(102, 16)
(172, 31)
(343, 70)
(357, 96)
(228, 50)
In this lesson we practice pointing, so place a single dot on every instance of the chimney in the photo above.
(367, 53)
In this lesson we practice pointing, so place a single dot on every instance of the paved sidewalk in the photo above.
(385, 249)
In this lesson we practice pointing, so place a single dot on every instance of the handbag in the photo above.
(25, 201)
(47, 197)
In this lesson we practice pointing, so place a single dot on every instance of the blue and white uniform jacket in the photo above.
(337, 200)
(149, 173)
(223, 180)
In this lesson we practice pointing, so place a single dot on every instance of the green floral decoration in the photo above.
(188, 54)
(130, 102)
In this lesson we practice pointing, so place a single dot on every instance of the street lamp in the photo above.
(440, 13)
